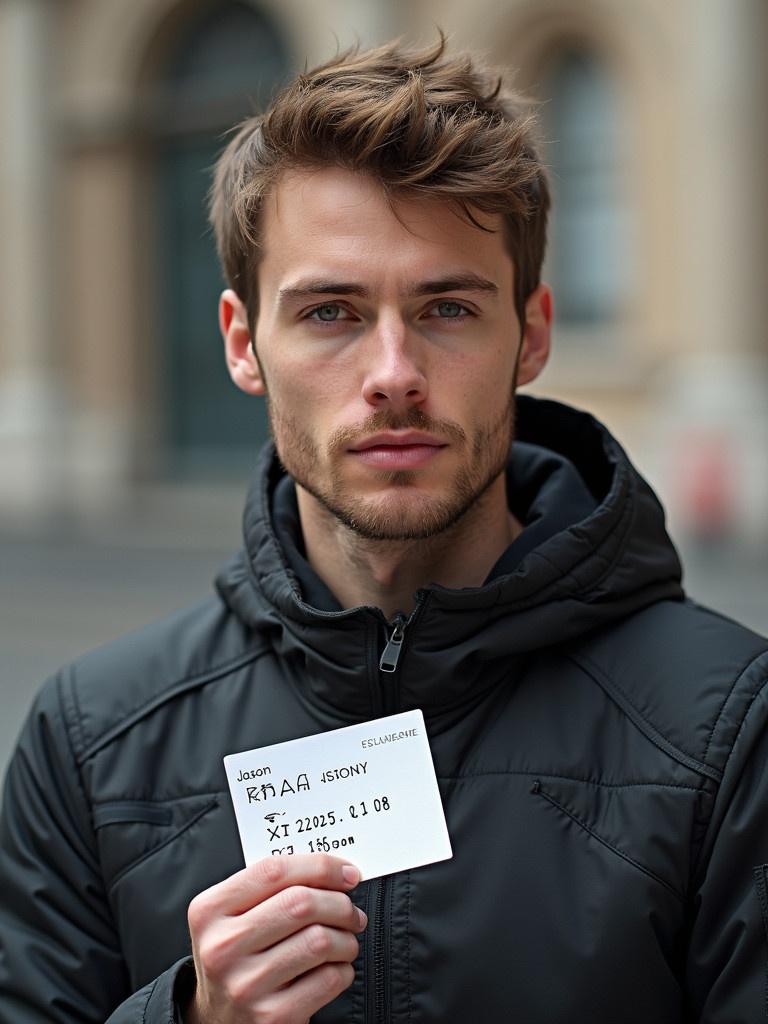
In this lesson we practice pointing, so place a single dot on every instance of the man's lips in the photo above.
(403, 439)
(397, 451)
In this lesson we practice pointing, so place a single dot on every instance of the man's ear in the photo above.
(537, 329)
(242, 363)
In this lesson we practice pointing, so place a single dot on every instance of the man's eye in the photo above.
(329, 312)
(450, 310)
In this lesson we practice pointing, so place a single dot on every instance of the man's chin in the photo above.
(398, 517)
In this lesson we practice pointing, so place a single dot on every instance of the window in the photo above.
(223, 65)
(589, 257)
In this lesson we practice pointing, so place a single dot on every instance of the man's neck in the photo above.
(386, 574)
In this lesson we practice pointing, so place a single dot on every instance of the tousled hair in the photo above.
(419, 122)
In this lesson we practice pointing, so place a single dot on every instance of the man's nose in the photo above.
(394, 374)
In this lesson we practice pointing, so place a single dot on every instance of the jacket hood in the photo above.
(603, 559)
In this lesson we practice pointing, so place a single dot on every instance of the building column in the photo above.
(30, 393)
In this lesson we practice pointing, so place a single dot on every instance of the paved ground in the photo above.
(63, 594)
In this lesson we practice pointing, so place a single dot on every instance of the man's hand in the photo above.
(274, 942)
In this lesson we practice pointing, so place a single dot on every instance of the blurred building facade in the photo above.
(112, 377)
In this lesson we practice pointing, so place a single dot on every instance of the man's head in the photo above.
(419, 122)
(371, 226)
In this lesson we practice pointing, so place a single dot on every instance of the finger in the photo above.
(230, 939)
(266, 972)
(296, 908)
(256, 883)
(309, 993)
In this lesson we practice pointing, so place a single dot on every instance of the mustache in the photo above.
(386, 419)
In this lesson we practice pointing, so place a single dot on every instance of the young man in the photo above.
(420, 538)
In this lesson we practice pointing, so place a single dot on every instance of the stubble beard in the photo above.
(408, 515)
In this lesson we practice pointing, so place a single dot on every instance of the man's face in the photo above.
(387, 345)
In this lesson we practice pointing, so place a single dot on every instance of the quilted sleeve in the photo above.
(727, 957)
(60, 957)
(156, 1003)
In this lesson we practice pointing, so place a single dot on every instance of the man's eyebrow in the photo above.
(304, 289)
(323, 286)
(455, 283)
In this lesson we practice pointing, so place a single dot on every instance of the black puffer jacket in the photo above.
(599, 743)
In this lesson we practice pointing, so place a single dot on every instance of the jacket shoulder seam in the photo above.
(69, 740)
(698, 864)
(642, 722)
(753, 697)
(737, 679)
(176, 688)
(73, 720)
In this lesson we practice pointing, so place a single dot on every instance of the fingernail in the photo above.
(350, 874)
(362, 919)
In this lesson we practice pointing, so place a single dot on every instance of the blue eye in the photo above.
(450, 310)
(328, 313)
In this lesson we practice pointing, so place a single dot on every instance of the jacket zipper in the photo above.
(390, 656)
(377, 941)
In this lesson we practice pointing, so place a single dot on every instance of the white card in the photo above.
(367, 793)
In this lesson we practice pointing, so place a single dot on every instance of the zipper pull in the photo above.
(391, 654)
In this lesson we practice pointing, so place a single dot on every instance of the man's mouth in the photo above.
(397, 450)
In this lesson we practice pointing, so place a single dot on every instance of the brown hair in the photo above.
(419, 122)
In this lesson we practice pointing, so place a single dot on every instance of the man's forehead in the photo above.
(331, 222)
(331, 192)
